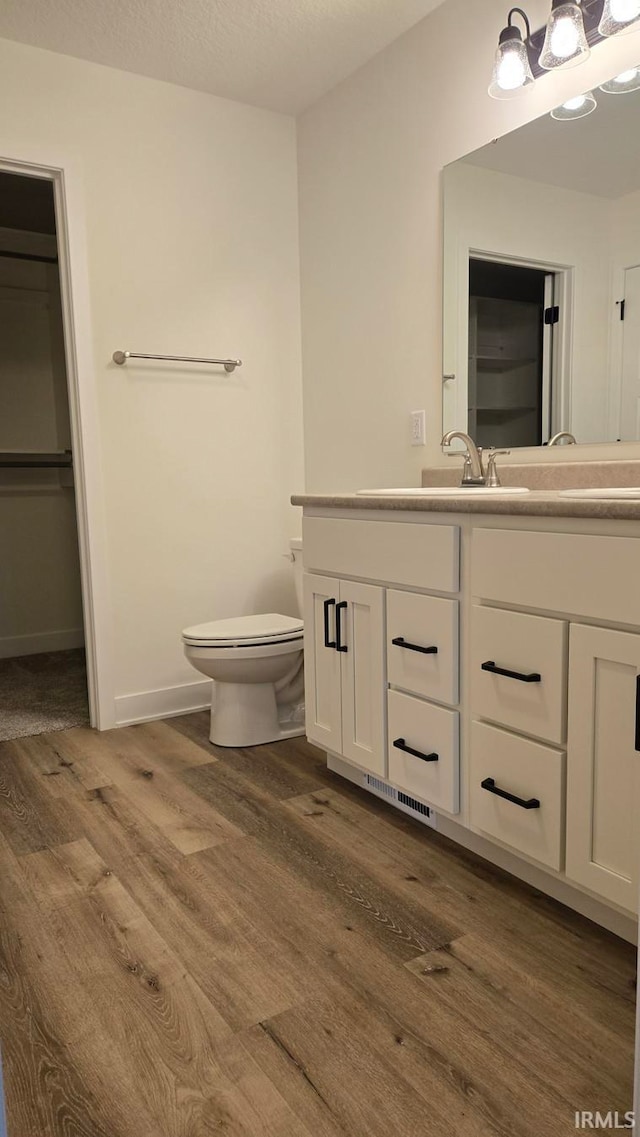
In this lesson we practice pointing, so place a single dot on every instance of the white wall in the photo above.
(191, 212)
(370, 157)
(492, 212)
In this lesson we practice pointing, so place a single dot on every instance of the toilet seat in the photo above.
(245, 632)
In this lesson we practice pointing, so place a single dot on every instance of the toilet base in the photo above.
(247, 715)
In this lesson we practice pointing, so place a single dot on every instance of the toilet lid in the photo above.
(270, 628)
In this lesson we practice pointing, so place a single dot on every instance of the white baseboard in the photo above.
(38, 642)
(162, 704)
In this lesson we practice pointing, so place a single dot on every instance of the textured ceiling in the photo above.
(279, 54)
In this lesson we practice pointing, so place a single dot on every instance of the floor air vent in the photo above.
(401, 800)
(411, 803)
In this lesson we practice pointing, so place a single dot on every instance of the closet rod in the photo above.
(29, 257)
(31, 459)
(122, 357)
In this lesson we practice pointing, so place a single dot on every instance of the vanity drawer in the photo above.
(423, 623)
(531, 773)
(526, 646)
(430, 730)
(417, 554)
(580, 574)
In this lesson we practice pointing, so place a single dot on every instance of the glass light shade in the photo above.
(578, 107)
(511, 70)
(626, 81)
(565, 42)
(619, 16)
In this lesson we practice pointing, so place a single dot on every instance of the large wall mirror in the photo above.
(542, 281)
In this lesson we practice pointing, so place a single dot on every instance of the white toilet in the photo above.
(257, 665)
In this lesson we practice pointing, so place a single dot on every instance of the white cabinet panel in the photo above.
(432, 773)
(414, 554)
(363, 675)
(426, 661)
(603, 772)
(513, 767)
(322, 662)
(534, 649)
(583, 575)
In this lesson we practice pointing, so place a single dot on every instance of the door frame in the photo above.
(455, 408)
(66, 177)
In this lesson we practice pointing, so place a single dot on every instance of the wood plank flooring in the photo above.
(197, 941)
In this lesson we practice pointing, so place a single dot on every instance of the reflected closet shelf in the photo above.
(36, 459)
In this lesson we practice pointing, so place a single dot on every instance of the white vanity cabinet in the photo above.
(603, 773)
(345, 669)
(568, 682)
(381, 658)
(489, 671)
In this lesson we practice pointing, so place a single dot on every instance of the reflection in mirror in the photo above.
(542, 282)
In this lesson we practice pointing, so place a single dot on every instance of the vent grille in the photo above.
(400, 800)
(381, 787)
(411, 803)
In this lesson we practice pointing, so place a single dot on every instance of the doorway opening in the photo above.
(512, 313)
(43, 682)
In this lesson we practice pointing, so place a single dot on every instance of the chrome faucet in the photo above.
(473, 473)
(562, 434)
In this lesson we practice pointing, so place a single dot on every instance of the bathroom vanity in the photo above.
(477, 663)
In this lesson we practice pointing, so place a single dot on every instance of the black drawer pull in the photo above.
(400, 744)
(637, 712)
(400, 641)
(490, 785)
(339, 645)
(522, 676)
(327, 605)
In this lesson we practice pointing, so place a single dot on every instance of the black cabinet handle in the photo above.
(521, 676)
(327, 605)
(637, 712)
(339, 645)
(400, 744)
(490, 785)
(400, 641)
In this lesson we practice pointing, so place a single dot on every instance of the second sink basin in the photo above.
(610, 493)
(446, 491)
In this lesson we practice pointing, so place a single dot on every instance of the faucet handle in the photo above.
(493, 477)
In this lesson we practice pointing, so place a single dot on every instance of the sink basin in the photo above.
(604, 493)
(446, 491)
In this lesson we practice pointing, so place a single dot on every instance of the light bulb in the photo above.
(625, 81)
(511, 70)
(619, 16)
(564, 38)
(577, 107)
(565, 42)
(623, 11)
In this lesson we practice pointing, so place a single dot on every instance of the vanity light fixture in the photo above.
(625, 81)
(565, 41)
(619, 16)
(578, 107)
(511, 69)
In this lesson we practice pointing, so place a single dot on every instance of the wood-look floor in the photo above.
(199, 942)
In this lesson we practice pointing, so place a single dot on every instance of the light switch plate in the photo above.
(418, 428)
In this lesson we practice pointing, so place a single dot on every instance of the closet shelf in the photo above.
(35, 459)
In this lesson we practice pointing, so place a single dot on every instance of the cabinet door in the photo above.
(603, 763)
(363, 676)
(322, 662)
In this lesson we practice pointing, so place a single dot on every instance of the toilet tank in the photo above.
(295, 544)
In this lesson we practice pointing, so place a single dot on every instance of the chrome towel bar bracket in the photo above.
(121, 357)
